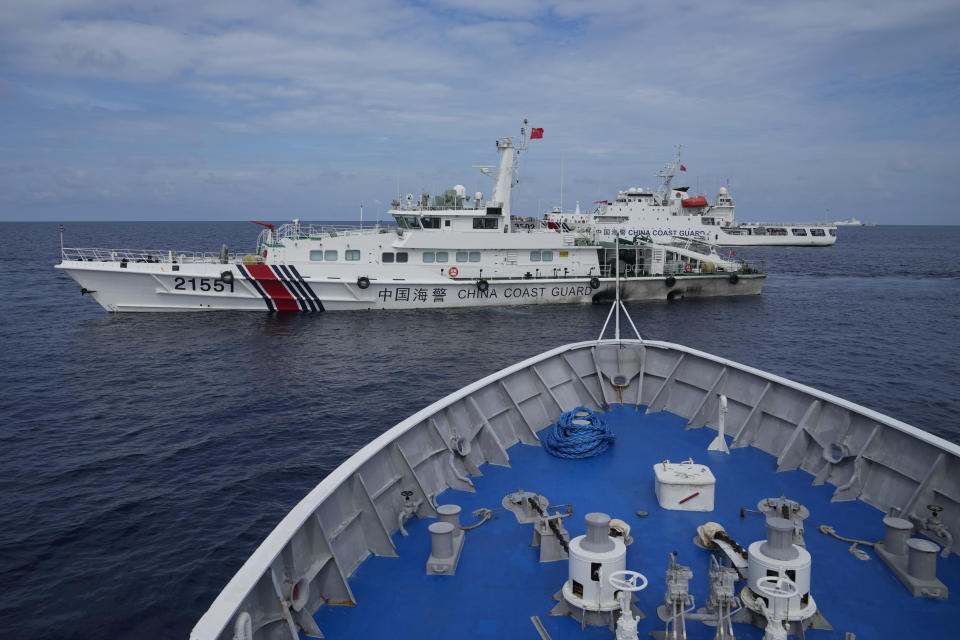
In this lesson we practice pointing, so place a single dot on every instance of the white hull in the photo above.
(151, 287)
(727, 239)
(691, 227)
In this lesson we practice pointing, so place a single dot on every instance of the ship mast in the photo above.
(505, 178)
(666, 176)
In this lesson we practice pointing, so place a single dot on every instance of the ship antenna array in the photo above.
(667, 174)
(618, 305)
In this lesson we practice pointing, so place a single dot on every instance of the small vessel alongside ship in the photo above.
(452, 253)
(541, 501)
(669, 212)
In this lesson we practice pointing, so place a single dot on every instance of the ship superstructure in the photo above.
(671, 212)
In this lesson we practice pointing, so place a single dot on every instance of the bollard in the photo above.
(450, 513)
(922, 559)
(441, 540)
(897, 532)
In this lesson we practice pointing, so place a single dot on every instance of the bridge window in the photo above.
(486, 223)
(817, 232)
(429, 256)
(799, 232)
(541, 256)
(430, 222)
(461, 256)
(442, 256)
(402, 256)
(352, 254)
(316, 255)
(330, 256)
(474, 256)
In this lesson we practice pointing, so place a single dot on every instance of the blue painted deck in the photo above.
(500, 583)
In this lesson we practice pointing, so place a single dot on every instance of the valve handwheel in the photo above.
(627, 581)
(777, 587)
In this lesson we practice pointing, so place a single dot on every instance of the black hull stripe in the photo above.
(308, 288)
(298, 283)
(285, 280)
(305, 303)
(256, 286)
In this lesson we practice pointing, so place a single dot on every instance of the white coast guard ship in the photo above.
(450, 254)
(669, 212)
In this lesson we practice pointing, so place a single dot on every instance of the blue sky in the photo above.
(257, 109)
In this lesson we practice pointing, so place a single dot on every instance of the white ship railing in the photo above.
(678, 268)
(298, 231)
(779, 225)
(91, 254)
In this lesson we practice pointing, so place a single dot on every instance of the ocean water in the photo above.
(144, 457)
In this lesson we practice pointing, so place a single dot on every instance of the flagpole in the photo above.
(561, 184)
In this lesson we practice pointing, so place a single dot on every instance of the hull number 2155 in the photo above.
(201, 284)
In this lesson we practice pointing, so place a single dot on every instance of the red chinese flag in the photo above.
(536, 132)
(682, 168)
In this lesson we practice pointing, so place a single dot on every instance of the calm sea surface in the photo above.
(144, 457)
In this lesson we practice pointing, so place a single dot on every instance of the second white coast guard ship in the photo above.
(669, 212)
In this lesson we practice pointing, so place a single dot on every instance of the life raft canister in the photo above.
(453, 272)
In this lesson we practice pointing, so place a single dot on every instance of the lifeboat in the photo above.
(692, 203)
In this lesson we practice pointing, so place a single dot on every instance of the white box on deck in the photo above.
(684, 486)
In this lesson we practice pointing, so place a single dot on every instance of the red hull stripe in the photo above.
(275, 289)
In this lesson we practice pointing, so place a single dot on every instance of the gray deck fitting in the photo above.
(540, 628)
(445, 548)
(591, 618)
(551, 539)
(924, 587)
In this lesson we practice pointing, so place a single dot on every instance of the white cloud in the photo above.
(423, 88)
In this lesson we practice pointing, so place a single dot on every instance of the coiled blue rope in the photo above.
(566, 439)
